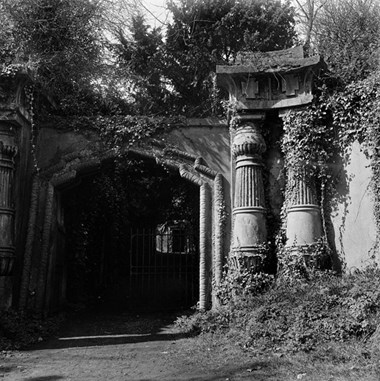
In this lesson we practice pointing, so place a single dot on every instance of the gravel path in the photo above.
(113, 347)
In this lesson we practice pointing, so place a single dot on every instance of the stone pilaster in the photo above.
(304, 226)
(249, 222)
(7, 211)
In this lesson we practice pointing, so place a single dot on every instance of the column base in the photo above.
(304, 226)
(309, 255)
(252, 258)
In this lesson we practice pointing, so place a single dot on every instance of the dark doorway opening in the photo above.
(132, 238)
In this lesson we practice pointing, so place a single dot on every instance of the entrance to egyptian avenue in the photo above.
(131, 238)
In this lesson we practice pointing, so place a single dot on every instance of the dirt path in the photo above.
(120, 347)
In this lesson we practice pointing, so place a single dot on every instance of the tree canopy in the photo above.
(90, 58)
(345, 32)
(103, 57)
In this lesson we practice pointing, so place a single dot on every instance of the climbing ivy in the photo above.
(320, 138)
(356, 117)
(310, 147)
(120, 130)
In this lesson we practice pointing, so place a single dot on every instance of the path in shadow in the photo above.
(44, 378)
(94, 328)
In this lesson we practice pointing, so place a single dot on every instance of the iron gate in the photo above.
(163, 268)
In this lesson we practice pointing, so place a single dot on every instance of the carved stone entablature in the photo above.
(13, 100)
(261, 81)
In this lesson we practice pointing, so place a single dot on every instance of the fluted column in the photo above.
(7, 211)
(249, 222)
(304, 226)
(204, 245)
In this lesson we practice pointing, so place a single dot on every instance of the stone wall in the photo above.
(199, 151)
(353, 220)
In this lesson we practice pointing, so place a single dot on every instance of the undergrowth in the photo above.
(19, 330)
(299, 315)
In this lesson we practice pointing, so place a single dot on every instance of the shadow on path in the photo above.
(44, 378)
(93, 328)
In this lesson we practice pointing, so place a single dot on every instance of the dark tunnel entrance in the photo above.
(131, 238)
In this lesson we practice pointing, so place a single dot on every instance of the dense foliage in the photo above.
(344, 32)
(299, 315)
(92, 66)
(348, 37)
(203, 34)
(60, 42)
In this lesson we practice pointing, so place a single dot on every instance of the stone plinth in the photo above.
(249, 223)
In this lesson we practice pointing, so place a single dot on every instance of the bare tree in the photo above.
(307, 12)
(347, 35)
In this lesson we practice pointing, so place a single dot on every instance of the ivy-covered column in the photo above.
(304, 226)
(249, 221)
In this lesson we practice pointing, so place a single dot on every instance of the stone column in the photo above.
(304, 224)
(249, 221)
(7, 211)
(204, 245)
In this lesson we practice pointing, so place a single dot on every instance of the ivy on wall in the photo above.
(320, 138)
(310, 151)
(356, 117)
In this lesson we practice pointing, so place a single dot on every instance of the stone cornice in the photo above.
(270, 80)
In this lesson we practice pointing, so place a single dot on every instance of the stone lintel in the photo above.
(274, 67)
(298, 101)
(272, 80)
(249, 117)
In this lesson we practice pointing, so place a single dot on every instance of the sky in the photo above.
(156, 13)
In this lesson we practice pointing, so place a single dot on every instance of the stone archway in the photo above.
(45, 210)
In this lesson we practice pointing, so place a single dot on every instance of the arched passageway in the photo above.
(182, 216)
(130, 234)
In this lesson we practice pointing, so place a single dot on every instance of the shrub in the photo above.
(300, 315)
(19, 330)
(241, 283)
